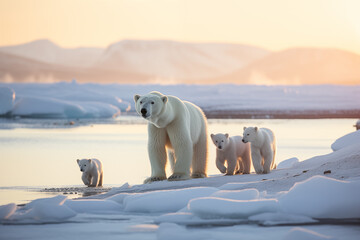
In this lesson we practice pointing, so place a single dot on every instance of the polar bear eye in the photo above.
(222, 140)
(247, 134)
(140, 102)
(152, 102)
(216, 141)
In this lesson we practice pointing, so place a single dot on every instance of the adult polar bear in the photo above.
(178, 127)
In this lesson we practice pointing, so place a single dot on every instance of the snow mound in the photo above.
(210, 207)
(323, 197)
(45, 210)
(7, 210)
(93, 206)
(280, 218)
(246, 194)
(165, 200)
(55, 108)
(288, 163)
(346, 140)
(7, 98)
(302, 233)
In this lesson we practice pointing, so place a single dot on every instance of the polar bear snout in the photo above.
(143, 112)
(243, 140)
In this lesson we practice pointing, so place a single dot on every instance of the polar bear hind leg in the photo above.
(172, 160)
(199, 161)
(101, 180)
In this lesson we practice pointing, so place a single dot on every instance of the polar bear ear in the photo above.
(89, 160)
(164, 99)
(256, 129)
(78, 160)
(212, 136)
(226, 135)
(244, 128)
(136, 97)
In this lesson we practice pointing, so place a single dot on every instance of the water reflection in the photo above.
(47, 157)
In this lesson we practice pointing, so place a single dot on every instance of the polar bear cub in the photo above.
(92, 172)
(234, 152)
(263, 148)
(175, 128)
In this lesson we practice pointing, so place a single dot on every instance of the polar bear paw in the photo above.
(154, 179)
(178, 177)
(198, 175)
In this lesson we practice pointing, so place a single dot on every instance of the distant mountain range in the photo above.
(135, 61)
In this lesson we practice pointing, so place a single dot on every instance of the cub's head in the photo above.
(250, 134)
(220, 140)
(84, 164)
(150, 105)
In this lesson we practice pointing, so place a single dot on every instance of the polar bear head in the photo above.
(220, 140)
(84, 164)
(250, 134)
(150, 105)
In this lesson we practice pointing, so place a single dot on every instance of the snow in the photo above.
(93, 206)
(43, 211)
(300, 194)
(288, 163)
(301, 234)
(7, 97)
(211, 207)
(73, 100)
(165, 200)
(7, 210)
(344, 141)
(323, 197)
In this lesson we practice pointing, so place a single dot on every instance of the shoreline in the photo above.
(281, 114)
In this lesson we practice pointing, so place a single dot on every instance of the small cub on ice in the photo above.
(92, 172)
(263, 148)
(234, 152)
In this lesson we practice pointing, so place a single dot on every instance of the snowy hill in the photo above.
(176, 60)
(48, 52)
(132, 61)
(300, 66)
(169, 62)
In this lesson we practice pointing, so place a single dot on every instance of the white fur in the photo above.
(92, 172)
(175, 128)
(234, 152)
(263, 148)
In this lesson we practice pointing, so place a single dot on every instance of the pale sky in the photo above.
(272, 24)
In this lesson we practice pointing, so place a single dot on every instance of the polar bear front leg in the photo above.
(183, 148)
(85, 178)
(220, 164)
(157, 153)
(256, 160)
(231, 162)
